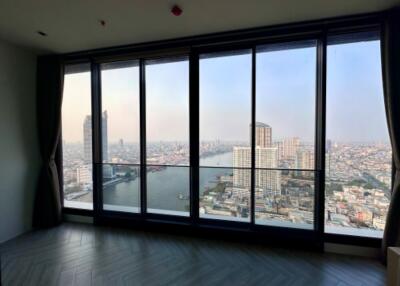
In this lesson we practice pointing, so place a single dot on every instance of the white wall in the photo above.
(19, 153)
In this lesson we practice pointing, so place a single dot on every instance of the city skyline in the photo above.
(296, 99)
(281, 198)
(358, 165)
(87, 126)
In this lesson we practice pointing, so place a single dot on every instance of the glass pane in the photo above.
(225, 107)
(285, 107)
(77, 138)
(225, 194)
(167, 115)
(168, 190)
(120, 117)
(121, 188)
(285, 198)
(167, 128)
(358, 153)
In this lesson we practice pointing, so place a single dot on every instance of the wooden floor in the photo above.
(80, 254)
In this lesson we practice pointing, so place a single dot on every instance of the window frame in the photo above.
(165, 58)
(99, 164)
(192, 47)
(59, 152)
(342, 36)
(222, 51)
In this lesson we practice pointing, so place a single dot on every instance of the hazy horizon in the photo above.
(285, 97)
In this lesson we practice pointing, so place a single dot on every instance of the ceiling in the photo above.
(74, 25)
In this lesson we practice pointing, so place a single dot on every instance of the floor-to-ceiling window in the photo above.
(77, 137)
(120, 136)
(225, 138)
(358, 153)
(167, 136)
(260, 115)
(285, 134)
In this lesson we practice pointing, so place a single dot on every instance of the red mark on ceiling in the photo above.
(176, 10)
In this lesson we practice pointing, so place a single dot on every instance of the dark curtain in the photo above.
(391, 80)
(50, 77)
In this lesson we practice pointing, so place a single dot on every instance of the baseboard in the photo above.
(78, 218)
(355, 250)
(14, 237)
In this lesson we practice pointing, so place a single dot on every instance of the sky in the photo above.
(120, 97)
(285, 88)
(355, 106)
(167, 101)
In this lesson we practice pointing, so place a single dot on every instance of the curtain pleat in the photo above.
(390, 48)
(50, 76)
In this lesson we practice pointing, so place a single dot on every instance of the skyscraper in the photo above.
(241, 159)
(305, 160)
(104, 134)
(87, 137)
(279, 145)
(328, 146)
(268, 180)
(263, 135)
(84, 175)
(266, 157)
(290, 147)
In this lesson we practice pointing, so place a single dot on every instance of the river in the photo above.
(164, 187)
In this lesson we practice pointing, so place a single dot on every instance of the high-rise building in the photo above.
(305, 161)
(266, 157)
(268, 180)
(287, 149)
(84, 175)
(108, 172)
(263, 135)
(328, 146)
(290, 147)
(87, 137)
(241, 159)
(104, 134)
(279, 145)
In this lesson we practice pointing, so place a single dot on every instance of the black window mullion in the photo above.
(143, 168)
(96, 139)
(319, 210)
(194, 142)
(253, 135)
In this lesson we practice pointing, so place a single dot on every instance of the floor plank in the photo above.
(81, 254)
